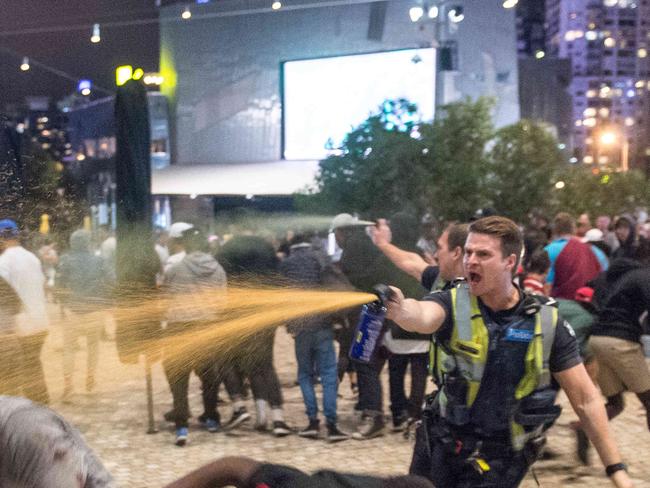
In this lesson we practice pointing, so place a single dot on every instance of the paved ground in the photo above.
(113, 420)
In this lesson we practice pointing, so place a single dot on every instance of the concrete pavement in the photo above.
(113, 421)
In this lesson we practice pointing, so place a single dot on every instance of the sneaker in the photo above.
(181, 436)
(280, 429)
(582, 446)
(239, 416)
(410, 426)
(371, 426)
(311, 431)
(335, 435)
(212, 425)
(259, 427)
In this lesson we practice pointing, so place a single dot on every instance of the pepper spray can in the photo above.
(370, 327)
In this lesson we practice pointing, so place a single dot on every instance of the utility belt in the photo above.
(453, 430)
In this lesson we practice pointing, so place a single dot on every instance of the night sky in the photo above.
(72, 51)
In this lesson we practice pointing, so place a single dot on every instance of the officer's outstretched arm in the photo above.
(588, 404)
(413, 315)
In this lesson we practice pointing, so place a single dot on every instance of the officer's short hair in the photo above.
(564, 224)
(456, 235)
(512, 241)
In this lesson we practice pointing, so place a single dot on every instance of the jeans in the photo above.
(397, 365)
(317, 347)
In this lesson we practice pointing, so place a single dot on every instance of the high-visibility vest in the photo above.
(467, 352)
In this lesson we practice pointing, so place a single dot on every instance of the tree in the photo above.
(387, 164)
(523, 164)
(377, 170)
(455, 163)
(606, 193)
(458, 164)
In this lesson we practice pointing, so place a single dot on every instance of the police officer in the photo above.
(495, 350)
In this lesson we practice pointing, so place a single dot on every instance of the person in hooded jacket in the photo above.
(623, 297)
(252, 259)
(631, 244)
(406, 348)
(365, 266)
(81, 285)
(186, 280)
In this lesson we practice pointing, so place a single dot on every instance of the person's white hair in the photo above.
(40, 449)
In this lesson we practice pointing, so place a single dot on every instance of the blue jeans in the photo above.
(317, 348)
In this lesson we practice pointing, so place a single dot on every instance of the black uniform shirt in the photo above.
(429, 277)
(565, 352)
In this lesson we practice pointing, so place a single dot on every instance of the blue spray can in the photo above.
(369, 329)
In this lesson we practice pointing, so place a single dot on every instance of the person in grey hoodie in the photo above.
(82, 285)
(185, 281)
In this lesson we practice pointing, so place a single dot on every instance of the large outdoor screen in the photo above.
(324, 98)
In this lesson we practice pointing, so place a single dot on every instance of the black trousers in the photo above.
(344, 337)
(447, 463)
(368, 379)
(397, 366)
(254, 360)
(33, 376)
(178, 372)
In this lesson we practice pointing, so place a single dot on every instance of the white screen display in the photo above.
(325, 98)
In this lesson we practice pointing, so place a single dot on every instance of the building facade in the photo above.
(222, 65)
(608, 44)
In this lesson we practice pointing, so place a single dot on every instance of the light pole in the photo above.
(442, 14)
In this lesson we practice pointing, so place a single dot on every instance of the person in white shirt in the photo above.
(23, 271)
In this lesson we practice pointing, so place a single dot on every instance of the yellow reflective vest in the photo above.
(466, 354)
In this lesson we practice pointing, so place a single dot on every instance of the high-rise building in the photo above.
(531, 34)
(608, 43)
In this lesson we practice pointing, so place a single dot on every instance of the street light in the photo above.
(610, 138)
(416, 13)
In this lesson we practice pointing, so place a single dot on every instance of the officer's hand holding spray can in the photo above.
(370, 327)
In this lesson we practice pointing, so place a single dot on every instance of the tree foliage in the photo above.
(598, 193)
(523, 165)
(458, 164)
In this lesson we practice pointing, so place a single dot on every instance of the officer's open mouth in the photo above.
(474, 278)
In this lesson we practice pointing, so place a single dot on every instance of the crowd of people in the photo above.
(598, 277)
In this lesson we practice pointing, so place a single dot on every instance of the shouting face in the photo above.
(486, 268)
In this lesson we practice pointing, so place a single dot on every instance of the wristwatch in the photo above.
(613, 468)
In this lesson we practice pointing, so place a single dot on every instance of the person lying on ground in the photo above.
(243, 472)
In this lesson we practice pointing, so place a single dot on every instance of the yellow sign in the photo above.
(123, 74)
